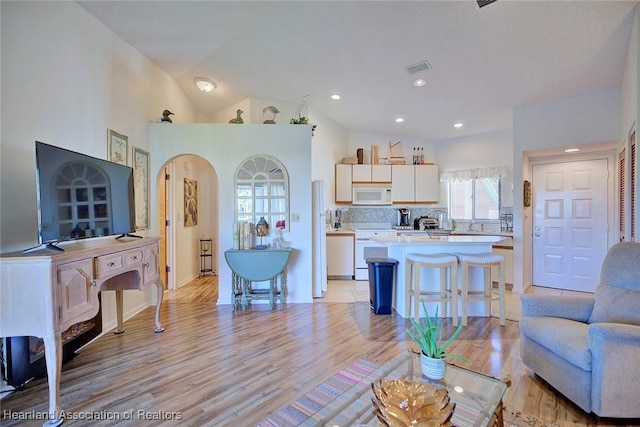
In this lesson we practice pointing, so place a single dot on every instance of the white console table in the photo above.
(45, 292)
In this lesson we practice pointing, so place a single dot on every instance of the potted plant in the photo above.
(428, 335)
(302, 120)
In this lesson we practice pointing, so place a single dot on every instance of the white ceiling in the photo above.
(484, 61)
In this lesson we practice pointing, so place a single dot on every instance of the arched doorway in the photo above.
(180, 244)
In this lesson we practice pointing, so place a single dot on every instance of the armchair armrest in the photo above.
(614, 366)
(574, 308)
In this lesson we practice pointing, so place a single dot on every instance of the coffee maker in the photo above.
(404, 217)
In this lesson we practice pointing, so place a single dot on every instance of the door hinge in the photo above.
(167, 223)
(167, 269)
(59, 313)
(167, 176)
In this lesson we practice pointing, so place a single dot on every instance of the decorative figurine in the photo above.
(165, 117)
(238, 119)
(262, 228)
(273, 110)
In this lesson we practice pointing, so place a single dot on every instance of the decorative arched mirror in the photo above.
(262, 190)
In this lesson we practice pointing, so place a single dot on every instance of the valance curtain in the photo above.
(478, 173)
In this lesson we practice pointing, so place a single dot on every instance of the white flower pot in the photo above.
(432, 368)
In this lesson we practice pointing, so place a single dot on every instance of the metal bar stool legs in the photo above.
(487, 294)
(448, 287)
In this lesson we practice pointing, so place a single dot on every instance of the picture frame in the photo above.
(526, 194)
(118, 147)
(141, 167)
(190, 202)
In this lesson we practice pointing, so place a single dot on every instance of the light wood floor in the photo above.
(212, 367)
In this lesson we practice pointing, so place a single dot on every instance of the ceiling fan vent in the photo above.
(420, 66)
(483, 3)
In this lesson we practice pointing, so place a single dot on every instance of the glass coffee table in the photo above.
(478, 397)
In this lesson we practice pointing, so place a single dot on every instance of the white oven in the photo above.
(366, 248)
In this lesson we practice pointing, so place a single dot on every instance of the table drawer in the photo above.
(111, 264)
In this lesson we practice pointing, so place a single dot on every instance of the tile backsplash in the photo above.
(389, 214)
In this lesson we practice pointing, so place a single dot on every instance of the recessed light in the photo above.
(419, 82)
(399, 120)
(458, 125)
(205, 84)
(571, 150)
(335, 97)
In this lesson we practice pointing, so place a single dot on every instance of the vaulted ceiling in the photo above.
(484, 62)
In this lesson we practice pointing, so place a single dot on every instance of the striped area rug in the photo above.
(306, 406)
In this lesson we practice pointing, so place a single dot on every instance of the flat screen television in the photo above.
(80, 196)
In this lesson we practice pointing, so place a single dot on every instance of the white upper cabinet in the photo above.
(403, 184)
(371, 173)
(343, 181)
(415, 183)
(427, 183)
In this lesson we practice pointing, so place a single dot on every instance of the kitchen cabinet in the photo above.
(343, 183)
(415, 183)
(371, 174)
(340, 256)
(505, 248)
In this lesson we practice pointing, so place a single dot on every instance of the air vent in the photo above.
(483, 3)
(420, 66)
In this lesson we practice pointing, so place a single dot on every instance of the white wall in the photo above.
(66, 78)
(225, 147)
(478, 151)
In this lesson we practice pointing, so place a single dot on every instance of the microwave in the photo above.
(371, 194)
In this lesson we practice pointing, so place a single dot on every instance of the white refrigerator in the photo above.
(319, 239)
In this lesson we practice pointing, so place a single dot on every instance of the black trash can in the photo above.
(382, 276)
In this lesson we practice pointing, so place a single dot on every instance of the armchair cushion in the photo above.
(564, 337)
(616, 305)
(574, 308)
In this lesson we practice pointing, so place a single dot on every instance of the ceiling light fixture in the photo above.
(458, 125)
(571, 150)
(335, 97)
(419, 82)
(204, 84)
(399, 120)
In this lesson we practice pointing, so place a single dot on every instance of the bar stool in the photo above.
(484, 260)
(448, 288)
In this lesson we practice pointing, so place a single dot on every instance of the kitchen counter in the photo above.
(399, 247)
(340, 231)
(482, 233)
(438, 240)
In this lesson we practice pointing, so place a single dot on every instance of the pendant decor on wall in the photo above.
(190, 202)
(526, 196)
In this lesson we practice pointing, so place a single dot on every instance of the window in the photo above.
(262, 190)
(475, 199)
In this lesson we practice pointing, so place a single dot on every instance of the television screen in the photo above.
(80, 196)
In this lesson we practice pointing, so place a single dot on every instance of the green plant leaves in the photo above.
(428, 335)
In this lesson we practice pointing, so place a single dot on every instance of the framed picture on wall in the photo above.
(118, 147)
(141, 187)
(526, 196)
(190, 202)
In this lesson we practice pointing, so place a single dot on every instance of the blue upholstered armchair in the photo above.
(589, 348)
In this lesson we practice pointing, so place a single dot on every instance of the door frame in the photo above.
(611, 157)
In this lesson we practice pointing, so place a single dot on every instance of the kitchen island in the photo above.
(400, 246)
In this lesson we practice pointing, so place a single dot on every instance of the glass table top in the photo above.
(477, 396)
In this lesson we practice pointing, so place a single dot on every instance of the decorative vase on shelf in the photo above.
(432, 368)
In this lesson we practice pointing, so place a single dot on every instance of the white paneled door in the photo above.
(569, 224)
